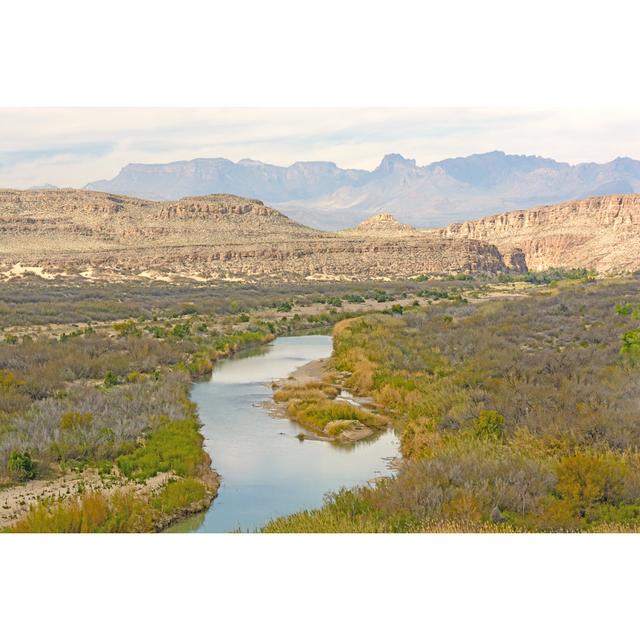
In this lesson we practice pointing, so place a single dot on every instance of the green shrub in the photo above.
(179, 494)
(127, 328)
(110, 379)
(175, 445)
(122, 512)
(624, 309)
(631, 345)
(21, 466)
(181, 330)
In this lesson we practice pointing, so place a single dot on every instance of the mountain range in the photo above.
(323, 195)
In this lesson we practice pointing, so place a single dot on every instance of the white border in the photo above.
(347, 53)
(293, 586)
(335, 53)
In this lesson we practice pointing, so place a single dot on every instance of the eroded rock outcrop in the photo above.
(382, 224)
(600, 233)
(213, 237)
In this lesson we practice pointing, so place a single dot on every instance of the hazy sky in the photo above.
(73, 146)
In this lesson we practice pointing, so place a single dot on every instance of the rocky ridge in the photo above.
(225, 237)
(217, 237)
(600, 233)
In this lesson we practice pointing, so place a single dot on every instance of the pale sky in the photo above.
(69, 147)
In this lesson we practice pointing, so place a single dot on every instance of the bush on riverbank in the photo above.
(313, 406)
(174, 445)
(120, 512)
(512, 414)
(178, 495)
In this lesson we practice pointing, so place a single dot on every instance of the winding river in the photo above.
(266, 470)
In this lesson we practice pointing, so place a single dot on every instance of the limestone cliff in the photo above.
(600, 233)
(210, 237)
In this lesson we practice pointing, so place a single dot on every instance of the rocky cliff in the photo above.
(600, 233)
(210, 237)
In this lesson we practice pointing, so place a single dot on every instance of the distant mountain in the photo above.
(249, 178)
(41, 187)
(323, 195)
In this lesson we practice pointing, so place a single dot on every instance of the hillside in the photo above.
(382, 224)
(599, 233)
(207, 238)
(323, 195)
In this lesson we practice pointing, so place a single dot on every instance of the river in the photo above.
(266, 470)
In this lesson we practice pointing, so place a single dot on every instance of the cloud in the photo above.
(79, 151)
(73, 146)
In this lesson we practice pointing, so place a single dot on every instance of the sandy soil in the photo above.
(310, 372)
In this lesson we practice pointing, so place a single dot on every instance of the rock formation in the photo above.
(228, 237)
(209, 237)
(600, 233)
(382, 224)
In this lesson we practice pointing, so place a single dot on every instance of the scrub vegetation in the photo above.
(77, 400)
(517, 415)
(32, 301)
(513, 415)
(112, 395)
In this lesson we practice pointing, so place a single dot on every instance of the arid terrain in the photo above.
(225, 237)
(210, 237)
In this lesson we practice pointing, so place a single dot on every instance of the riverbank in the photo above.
(495, 413)
(166, 476)
(165, 480)
(211, 480)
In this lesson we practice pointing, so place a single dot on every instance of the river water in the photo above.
(266, 471)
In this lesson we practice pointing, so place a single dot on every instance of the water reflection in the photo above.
(266, 470)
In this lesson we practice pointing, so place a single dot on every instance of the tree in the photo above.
(587, 480)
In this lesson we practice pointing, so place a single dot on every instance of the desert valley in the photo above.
(483, 370)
